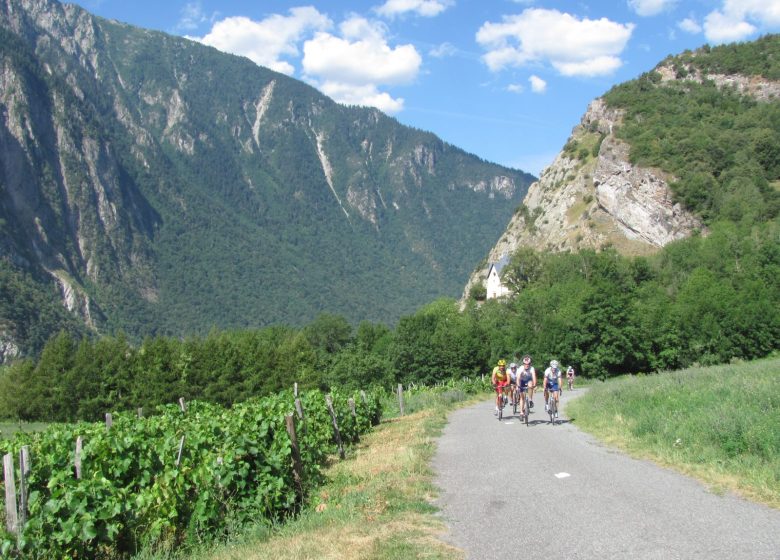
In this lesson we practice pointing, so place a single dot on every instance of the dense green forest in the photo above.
(709, 299)
(703, 300)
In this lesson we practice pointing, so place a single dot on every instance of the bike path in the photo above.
(547, 491)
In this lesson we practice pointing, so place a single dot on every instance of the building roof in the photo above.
(499, 264)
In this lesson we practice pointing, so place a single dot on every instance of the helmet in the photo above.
(527, 358)
(513, 366)
(501, 363)
(570, 369)
(554, 364)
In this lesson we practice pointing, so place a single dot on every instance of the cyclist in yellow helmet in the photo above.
(500, 380)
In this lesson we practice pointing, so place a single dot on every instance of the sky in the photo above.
(506, 80)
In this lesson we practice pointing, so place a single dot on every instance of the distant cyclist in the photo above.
(500, 380)
(552, 382)
(526, 379)
(528, 370)
(570, 377)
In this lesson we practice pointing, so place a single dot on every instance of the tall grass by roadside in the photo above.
(9, 427)
(720, 424)
(376, 504)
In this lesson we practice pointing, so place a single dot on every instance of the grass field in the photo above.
(8, 427)
(720, 424)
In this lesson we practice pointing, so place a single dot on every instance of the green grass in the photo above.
(720, 424)
(9, 427)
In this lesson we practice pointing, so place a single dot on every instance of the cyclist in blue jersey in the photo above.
(552, 383)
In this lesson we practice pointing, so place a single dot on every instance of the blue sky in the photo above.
(503, 79)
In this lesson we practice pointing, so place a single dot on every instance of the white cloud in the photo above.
(651, 7)
(266, 42)
(443, 50)
(350, 68)
(581, 47)
(738, 19)
(690, 25)
(538, 85)
(365, 95)
(191, 17)
(722, 28)
(515, 88)
(425, 8)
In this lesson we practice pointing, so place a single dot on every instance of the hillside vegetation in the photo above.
(718, 424)
(723, 146)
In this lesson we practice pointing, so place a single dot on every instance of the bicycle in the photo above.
(526, 406)
(500, 399)
(552, 408)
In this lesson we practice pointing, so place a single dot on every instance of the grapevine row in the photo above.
(174, 477)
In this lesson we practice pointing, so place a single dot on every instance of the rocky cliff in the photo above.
(592, 196)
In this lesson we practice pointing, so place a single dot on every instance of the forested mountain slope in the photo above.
(154, 185)
(693, 143)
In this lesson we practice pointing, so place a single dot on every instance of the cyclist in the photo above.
(527, 369)
(512, 382)
(552, 382)
(526, 379)
(500, 379)
(570, 377)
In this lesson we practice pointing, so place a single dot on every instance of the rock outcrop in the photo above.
(592, 196)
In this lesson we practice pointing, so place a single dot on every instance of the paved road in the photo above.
(543, 491)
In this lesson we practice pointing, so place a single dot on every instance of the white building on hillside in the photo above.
(495, 287)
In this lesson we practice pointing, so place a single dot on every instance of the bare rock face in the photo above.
(592, 196)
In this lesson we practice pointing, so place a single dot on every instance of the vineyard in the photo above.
(184, 474)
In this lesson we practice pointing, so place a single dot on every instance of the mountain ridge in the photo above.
(165, 187)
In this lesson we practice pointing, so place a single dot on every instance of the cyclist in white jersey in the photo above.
(525, 370)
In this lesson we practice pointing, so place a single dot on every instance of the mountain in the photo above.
(693, 142)
(154, 185)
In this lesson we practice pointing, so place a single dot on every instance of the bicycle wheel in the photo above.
(514, 404)
(527, 410)
(551, 409)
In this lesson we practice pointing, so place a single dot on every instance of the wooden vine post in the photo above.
(401, 398)
(351, 402)
(296, 456)
(24, 470)
(329, 402)
(77, 460)
(11, 519)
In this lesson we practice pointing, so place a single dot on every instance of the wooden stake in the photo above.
(181, 448)
(329, 402)
(401, 398)
(24, 470)
(109, 421)
(296, 456)
(182, 405)
(11, 519)
(77, 461)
